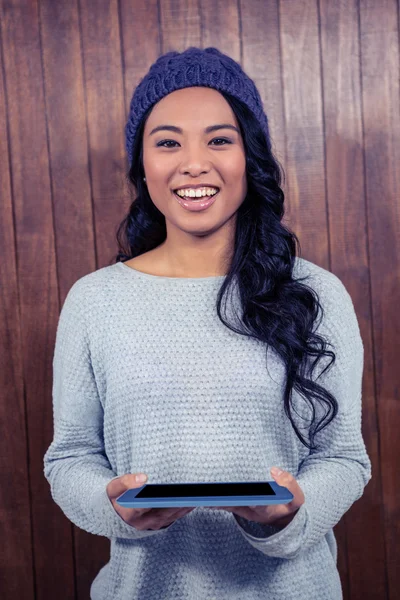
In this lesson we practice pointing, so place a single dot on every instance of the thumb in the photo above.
(119, 485)
(276, 472)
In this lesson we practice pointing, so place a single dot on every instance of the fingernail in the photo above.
(141, 477)
(275, 471)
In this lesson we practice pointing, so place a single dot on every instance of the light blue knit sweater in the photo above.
(148, 379)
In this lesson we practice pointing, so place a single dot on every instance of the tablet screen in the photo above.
(191, 490)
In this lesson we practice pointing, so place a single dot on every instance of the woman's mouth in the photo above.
(196, 204)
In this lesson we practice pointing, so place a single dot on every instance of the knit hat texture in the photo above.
(193, 67)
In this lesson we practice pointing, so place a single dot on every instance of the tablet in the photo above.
(242, 493)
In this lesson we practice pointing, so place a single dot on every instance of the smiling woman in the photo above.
(151, 377)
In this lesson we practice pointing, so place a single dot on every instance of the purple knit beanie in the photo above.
(193, 67)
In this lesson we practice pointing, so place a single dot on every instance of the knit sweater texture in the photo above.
(146, 378)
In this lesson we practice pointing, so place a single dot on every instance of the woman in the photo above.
(151, 376)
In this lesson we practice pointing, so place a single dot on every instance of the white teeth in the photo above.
(198, 193)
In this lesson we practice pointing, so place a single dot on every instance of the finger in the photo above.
(116, 487)
(242, 511)
(286, 479)
(163, 517)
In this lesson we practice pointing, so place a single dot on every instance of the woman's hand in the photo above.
(278, 515)
(142, 519)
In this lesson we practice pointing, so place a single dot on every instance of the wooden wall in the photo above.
(328, 73)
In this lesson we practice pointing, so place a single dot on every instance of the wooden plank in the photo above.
(16, 559)
(262, 62)
(305, 162)
(105, 114)
(360, 542)
(381, 115)
(30, 307)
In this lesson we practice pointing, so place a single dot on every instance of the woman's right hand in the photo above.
(142, 518)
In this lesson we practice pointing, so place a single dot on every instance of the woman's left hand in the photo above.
(278, 515)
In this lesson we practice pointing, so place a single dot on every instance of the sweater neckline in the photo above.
(135, 273)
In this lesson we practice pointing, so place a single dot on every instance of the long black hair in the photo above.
(277, 309)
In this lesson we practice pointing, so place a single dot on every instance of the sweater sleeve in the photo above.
(75, 464)
(334, 476)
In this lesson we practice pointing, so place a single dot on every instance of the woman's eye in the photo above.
(166, 142)
(173, 142)
(222, 140)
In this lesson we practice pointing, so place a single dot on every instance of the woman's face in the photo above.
(192, 157)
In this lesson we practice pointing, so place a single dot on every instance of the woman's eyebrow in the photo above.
(206, 130)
